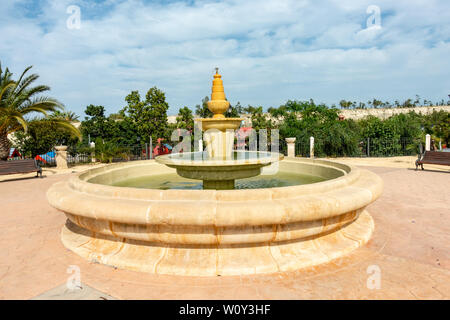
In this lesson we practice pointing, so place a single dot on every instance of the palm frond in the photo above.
(64, 124)
(23, 84)
(21, 121)
(6, 85)
(8, 121)
(23, 74)
(19, 98)
(38, 89)
(41, 103)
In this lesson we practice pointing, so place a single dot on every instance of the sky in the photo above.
(268, 51)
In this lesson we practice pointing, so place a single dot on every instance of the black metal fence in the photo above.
(364, 148)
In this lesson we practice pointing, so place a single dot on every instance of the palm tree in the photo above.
(66, 115)
(18, 99)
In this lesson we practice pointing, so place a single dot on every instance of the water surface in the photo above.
(172, 181)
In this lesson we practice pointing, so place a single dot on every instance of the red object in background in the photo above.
(160, 148)
(14, 153)
(158, 151)
(39, 158)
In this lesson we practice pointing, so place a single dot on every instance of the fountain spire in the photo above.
(218, 104)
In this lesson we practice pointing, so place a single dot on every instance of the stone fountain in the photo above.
(215, 231)
(220, 165)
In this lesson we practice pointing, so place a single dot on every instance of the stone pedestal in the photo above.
(427, 142)
(219, 144)
(291, 146)
(61, 157)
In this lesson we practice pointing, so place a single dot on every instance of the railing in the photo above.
(364, 148)
(81, 158)
(370, 147)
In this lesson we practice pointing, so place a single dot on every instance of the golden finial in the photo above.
(218, 104)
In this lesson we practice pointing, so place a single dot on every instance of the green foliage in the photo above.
(234, 111)
(202, 110)
(259, 119)
(397, 135)
(438, 125)
(41, 137)
(107, 151)
(18, 99)
(126, 132)
(65, 115)
(149, 116)
(134, 124)
(345, 104)
(96, 124)
(185, 119)
(305, 119)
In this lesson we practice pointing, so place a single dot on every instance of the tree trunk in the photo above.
(5, 146)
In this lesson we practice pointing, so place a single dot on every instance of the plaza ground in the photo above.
(410, 247)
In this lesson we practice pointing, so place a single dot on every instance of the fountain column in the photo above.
(219, 132)
(221, 165)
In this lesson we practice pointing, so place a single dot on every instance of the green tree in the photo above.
(19, 99)
(202, 110)
(375, 103)
(126, 132)
(438, 125)
(150, 115)
(96, 124)
(185, 119)
(66, 115)
(259, 118)
(345, 104)
(107, 151)
(303, 119)
(42, 136)
(234, 111)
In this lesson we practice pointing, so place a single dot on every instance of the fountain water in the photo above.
(219, 166)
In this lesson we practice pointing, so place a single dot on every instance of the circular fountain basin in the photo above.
(219, 173)
(216, 232)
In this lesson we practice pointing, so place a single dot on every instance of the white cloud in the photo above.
(268, 51)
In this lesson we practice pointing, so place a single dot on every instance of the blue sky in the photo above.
(268, 51)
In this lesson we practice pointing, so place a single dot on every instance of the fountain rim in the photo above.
(80, 183)
(217, 119)
(216, 207)
(217, 162)
(204, 219)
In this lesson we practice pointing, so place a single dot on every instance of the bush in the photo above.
(108, 151)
